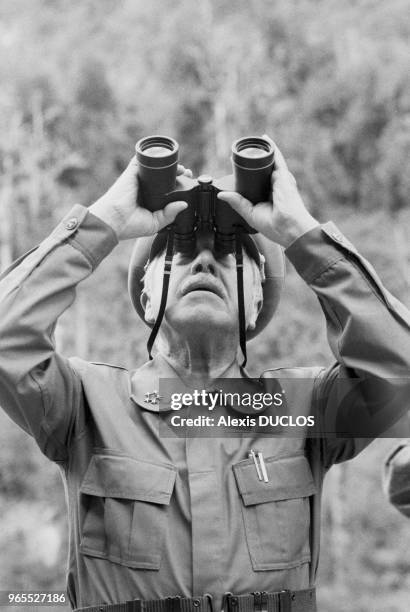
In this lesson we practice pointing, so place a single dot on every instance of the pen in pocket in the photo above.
(260, 467)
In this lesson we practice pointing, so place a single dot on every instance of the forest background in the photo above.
(82, 81)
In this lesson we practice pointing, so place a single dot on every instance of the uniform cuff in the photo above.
(317, 250)
(87, 233)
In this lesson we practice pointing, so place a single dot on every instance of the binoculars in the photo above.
(252, 162)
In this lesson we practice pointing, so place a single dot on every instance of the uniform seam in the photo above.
(316, 402)
(364, 275)
(93, 552)
(78, 246)
(290, 368)
(45, 401)
(110, 365)
(329, 264)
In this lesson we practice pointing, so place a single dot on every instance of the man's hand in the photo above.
(285, 218)
(119, 208)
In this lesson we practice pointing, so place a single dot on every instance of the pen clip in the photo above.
(261, 466)
(252, 455)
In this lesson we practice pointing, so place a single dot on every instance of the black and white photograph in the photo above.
(204, 306)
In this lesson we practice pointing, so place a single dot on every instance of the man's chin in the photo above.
(200, 319)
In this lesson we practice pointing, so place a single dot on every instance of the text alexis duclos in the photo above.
(247, 421)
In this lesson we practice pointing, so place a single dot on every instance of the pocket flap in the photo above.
(125, 477)
(289, 478)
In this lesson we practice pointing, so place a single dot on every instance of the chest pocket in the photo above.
(124, 504)
(276, 513)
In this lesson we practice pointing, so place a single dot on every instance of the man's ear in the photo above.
(146, 304)
(262, 268)
(256, 308)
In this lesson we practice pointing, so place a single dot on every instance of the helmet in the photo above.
(147, 248)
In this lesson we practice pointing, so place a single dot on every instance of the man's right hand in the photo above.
(119, 207)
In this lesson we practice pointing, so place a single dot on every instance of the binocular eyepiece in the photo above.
(252, 163)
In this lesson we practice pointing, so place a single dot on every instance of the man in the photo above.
(396, 477)
(151, 516)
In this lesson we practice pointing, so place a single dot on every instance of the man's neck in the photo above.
(199, 363)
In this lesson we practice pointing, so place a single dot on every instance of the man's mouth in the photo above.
(202, 285)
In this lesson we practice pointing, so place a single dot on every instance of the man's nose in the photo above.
(204, 262)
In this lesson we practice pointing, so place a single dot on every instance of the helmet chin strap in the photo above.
(165, 285)
(241, 301)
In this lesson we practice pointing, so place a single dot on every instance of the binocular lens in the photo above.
(252, 153)
(157, 151)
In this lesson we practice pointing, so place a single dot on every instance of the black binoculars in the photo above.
(252, 162)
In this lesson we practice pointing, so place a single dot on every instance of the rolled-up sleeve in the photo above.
(365, 392)
(39, 389)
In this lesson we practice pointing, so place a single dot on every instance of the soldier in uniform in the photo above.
(396, 477)
(159, 523)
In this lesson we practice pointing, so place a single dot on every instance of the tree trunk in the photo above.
(339, 537)
(6, 212)
(402, 256)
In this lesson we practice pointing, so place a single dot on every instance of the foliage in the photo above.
(81, 82)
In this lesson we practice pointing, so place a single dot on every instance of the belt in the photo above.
(281, 601)
(168, 604)
(259, 601)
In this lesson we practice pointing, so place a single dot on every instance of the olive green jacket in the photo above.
(151, 516)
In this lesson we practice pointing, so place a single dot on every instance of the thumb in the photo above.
(280, 161)
(167, 215)
(238, 203)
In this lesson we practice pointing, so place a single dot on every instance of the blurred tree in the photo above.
(81, 82)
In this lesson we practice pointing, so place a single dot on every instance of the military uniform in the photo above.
(150, 516)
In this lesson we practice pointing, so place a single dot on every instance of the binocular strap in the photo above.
(241, 303)
(165, 284)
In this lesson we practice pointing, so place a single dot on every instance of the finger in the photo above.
(268, 138)
(167, 215)
(292, 179)
(181, 170)
(238, 203)
(132, 163)
(280, 162)
(279, 175)
(131, 168)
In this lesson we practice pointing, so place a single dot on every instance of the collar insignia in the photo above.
(152, 397)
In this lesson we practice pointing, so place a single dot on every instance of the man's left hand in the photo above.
(284, 219)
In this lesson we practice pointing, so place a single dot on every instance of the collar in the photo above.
(152, 385)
